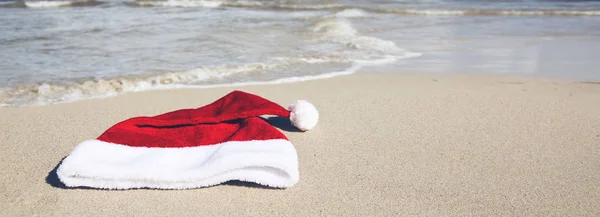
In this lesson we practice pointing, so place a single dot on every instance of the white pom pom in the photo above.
(304, 115)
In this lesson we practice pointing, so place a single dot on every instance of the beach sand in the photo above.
(386, 145)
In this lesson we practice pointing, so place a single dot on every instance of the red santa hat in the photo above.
(191, 148)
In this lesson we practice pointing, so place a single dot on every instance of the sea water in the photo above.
(61, 51)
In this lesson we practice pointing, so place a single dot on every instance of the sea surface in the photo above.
(61, 51)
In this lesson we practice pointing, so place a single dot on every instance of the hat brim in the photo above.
(99, 164)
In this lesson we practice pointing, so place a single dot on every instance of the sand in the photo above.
(386, 145)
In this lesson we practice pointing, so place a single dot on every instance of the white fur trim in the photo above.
(99, 164)
(304, 115)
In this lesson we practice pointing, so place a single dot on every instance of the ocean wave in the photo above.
(352, 13)
(341, 31)
(206, 77)
(308, 6)
(482, 12)
(337, 43)
(178, 3)
(51, 4)
(224, 3)
(343, 10)
(46, 93)
(47, 4)
(195, 3)
(50, 93)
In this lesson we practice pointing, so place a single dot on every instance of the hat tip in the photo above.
(304, 115)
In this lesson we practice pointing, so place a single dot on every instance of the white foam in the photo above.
(226, 3)
(45, 93)
(310, 7)
(334, 27)
(47, 4)
(242, 3)
(351, 70)
(54, 94)
(445, 12)
(339, 29)
(181, 3)
(352, 13)
(356, 65)
(388, 59)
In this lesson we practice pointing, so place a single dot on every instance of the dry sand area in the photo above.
(386, 145)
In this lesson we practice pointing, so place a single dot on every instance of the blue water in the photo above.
(57, 51)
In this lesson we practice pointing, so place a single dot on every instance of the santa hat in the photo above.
(191, 148)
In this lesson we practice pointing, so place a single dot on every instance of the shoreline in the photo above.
(385, 145)
(364, 71)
